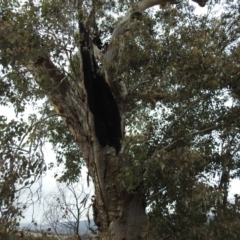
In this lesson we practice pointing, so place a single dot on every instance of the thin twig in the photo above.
(137, 85)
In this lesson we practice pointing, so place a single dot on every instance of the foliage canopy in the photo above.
(182, 72)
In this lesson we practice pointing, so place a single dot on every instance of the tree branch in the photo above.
(185, 137)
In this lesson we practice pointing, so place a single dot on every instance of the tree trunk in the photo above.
(117, 213)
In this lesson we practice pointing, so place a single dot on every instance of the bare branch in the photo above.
(97, 53)
(142, 6)
(137, 85)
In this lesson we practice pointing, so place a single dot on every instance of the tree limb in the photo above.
(185, 137)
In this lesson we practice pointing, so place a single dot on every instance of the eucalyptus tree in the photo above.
(136, 94)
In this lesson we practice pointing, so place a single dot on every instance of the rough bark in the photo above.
(117, 213)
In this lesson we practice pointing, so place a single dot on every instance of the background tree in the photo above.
(171, 129)
(66, 207)
(20, 167)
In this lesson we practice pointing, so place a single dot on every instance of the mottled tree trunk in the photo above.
(117, 213)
